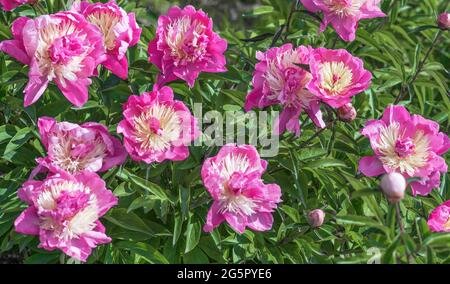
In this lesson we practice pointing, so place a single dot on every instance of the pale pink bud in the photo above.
(316, 218)
(347, 112)
(444, 21)
(393, 186)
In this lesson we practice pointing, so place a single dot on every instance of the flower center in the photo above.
(232, 199)
(186, 40)
(106, 22)
(237, 182)
(344, 8)
(75, 154)
(157, 127)
(64, 48)
(67, 207)
(405, 154)
(336, 77)
(404, 147)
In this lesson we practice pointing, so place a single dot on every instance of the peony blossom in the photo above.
(156, 127)
(439, 220)
(409, 145)
(186, 45)
(278, 79)
(9, 5)
(119, 30)
(444, 21)
(75, 148)
(344, 15)
(233, 178)
(63, 211)
(337, 76)
(61, 47)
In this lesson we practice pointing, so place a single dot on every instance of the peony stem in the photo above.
(419, 69)
(402, 232)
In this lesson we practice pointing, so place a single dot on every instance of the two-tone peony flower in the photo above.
(9, 5)
(156, 127)
(279, 79)
(439, 220)
(63, 210)
(74, 148)
(337, 76)
(119, 30)
(409, 145)
(186, 45)
(61, 47)
(344, 15)
(233, 178)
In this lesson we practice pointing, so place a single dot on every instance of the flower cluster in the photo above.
(67, 48)
(300, 78)
(64, 208)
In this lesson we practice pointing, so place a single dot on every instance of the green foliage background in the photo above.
(162, 207)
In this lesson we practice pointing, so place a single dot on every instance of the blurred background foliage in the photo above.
(163, 206)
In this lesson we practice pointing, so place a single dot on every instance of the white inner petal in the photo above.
(409, 164)
(336, 77)
(169, 124)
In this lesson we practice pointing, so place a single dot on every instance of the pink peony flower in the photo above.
(444, 21)
(156, 127)
(63, 211)
(439, 220)
(278, 79)
(9, 5)
(119, 30)
(61, 47)
(410, 145)
(186, 45)
(344, 15)
(75, 148)
(233, 178)
(337, 76)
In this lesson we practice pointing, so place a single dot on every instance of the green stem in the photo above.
(418, 70)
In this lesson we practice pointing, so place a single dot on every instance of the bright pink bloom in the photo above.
(62, 47)
(119, 30)
(439, 220)
(186, 45)
(444, 21)
(75, 148)
(337, 76)
(344, 15)
(233, 178)
(9, 5)
(156, 127)
(410, 145)
(63, 211)
(278, 79)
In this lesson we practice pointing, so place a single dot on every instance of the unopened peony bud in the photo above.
(444, 21)
(393, 186)
(316, 218)
(347, 112)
